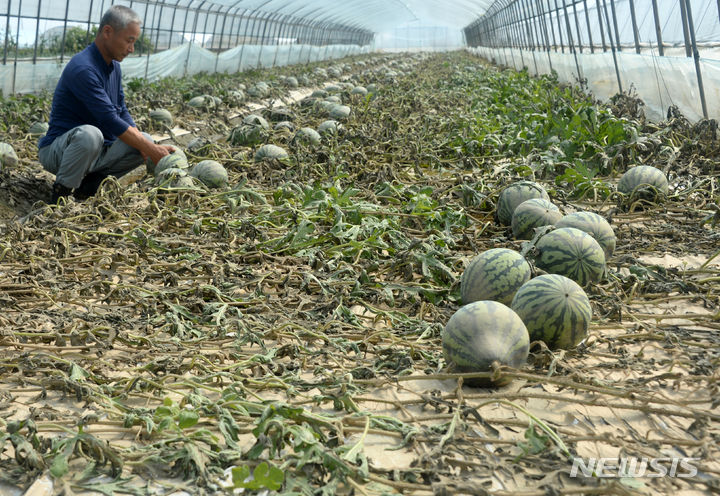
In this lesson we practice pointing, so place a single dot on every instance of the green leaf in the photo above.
(264, 476)
(78, 373)
(187, 418)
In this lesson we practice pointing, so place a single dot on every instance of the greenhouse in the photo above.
(280, 247)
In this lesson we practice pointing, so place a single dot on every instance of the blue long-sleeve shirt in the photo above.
(89, 92)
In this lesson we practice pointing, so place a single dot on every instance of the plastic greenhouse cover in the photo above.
(183, 60)
(372, 15)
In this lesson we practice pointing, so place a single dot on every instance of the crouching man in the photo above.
(91, 134)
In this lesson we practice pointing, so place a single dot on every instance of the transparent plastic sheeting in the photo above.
(658, 81)
(187, 59)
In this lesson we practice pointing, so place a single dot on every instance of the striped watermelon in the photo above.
(555, 310)
(481, 333)
(643, 182)
(495, 274)
(595, 225)
(572, 253)
(536, 212)
(270, 152)
(514, 195)
(211, 173)
(175, 160)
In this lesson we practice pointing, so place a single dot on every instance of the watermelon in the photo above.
(7, 155)
(170, 177)
(176, 160)
(495, 274)
(281, 114)
(161, 116)
(483, 332)
(339, 112)
(236, 97)
(332, 88)
(359, 90)
(319, 94)
(256, 120)
(38, 128)
(202, 101)
(291, 82)
(329, 127)
(595, 225)
(514, 195)
(536, 212)
(572, 253)
(284, 127)
(211, 173)
(643, 182)
(308, 136)
(270, 152)
(247, 135)
(259, 90)
(333, 99)
(555, 310)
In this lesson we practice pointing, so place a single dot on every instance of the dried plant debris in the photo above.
(282, 333)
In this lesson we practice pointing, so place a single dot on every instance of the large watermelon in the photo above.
(481, 333)
(514, 195)
(7, 155)
(643, 182)
(247, 135)
(595, 225)
(175, 160)
(555, 310)
(572, 253)
(161, 116)
(270, 152)
(495, 274)
(536, 212)
(211, 173)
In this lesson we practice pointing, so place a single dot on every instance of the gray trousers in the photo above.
(81, 151)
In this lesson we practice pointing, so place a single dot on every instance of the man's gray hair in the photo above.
(118, 17)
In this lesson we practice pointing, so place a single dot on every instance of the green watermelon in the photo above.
(38, 128)
(359, 90)
(161, 116)
(247, 135)
(495, 274)
(514, 195)
(483, 332)
(268, 152)
(555, 310)
(643, 182)
(211, 173)
(536, 212)
(329, 127)
(595, 225)
(308, 136)
(172, 177)
(7, 155)
(572, 253)
(256, 120)
(339, 112)
(174, 160)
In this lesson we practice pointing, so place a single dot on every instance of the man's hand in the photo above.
(147, 149)
(156, 152)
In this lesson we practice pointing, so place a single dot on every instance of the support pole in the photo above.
(696, 57)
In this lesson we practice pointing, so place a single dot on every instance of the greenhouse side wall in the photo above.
(188, 59)
(659, 81)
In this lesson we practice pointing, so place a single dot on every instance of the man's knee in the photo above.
(89, 137)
